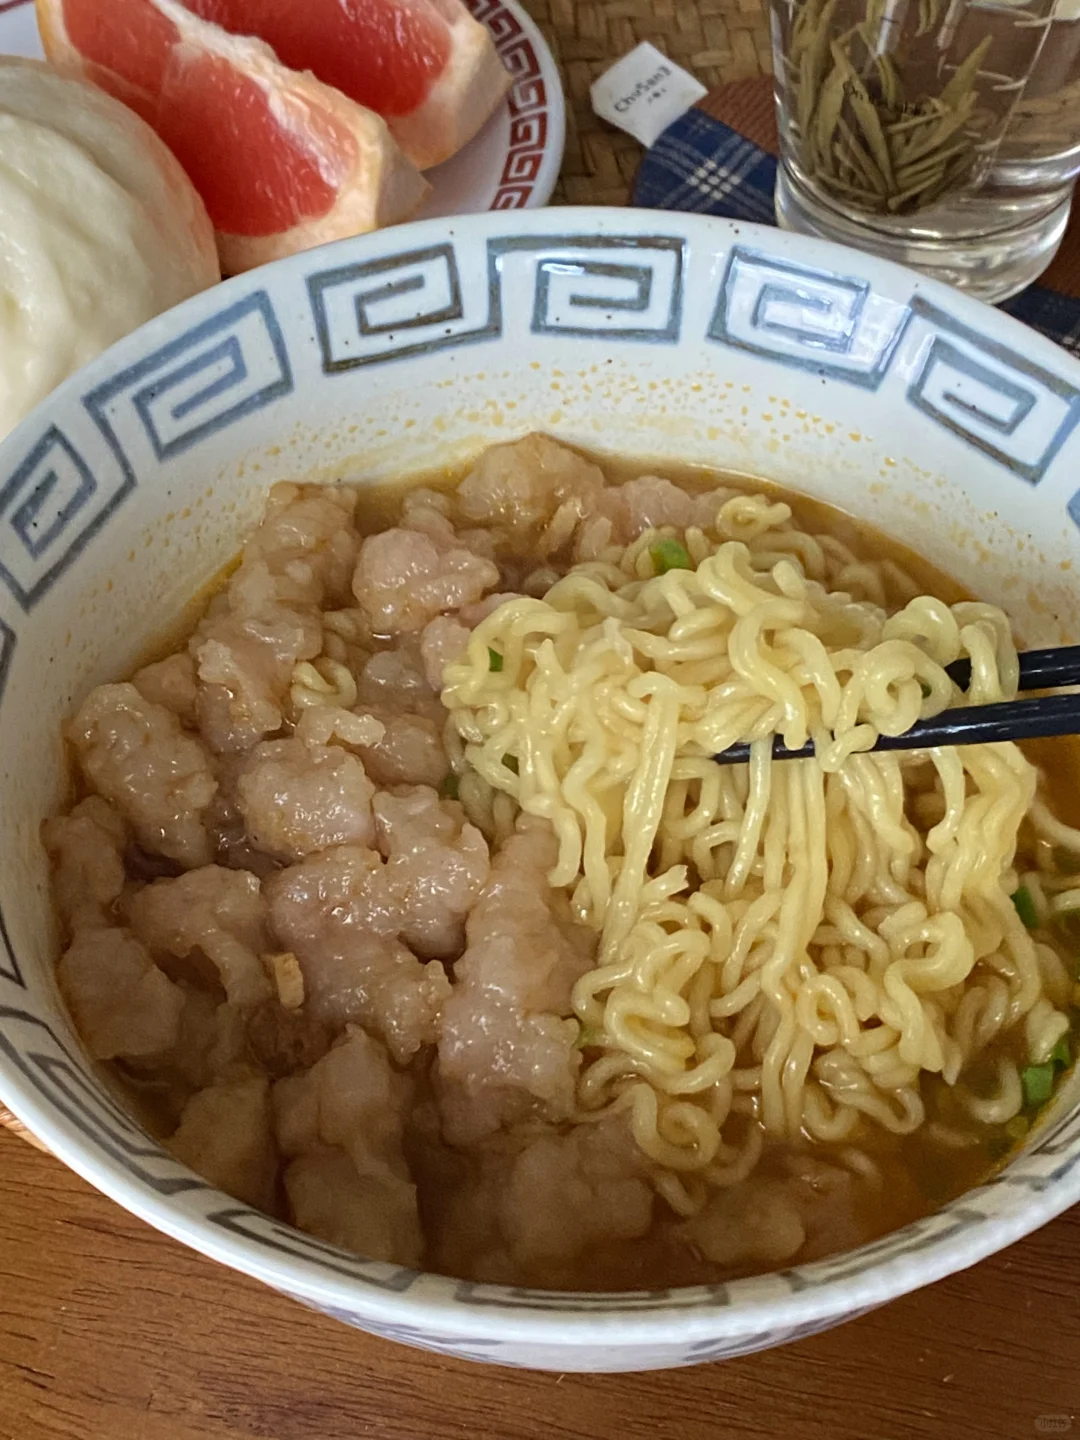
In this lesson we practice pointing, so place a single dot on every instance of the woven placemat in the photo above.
(718, 41)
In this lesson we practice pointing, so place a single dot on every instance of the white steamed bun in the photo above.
(100, 229)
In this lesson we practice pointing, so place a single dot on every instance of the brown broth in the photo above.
(919, 1173)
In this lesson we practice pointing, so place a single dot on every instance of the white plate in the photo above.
(514, 161)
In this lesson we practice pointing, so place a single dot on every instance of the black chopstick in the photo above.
(1044, 716)
(1039, 669)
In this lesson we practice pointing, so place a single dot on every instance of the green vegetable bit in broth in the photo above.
(1025, 907)
(670, 555)
(464, 958)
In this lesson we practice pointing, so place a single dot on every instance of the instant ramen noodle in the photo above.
(406, 901)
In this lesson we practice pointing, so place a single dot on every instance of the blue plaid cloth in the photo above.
(702, 165)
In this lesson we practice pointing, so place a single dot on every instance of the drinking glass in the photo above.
(892, 114)
(1040, 149)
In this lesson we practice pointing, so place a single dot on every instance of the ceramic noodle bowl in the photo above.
(667, 337)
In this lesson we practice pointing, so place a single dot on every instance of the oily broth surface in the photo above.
(380, 507)
(919, 1174)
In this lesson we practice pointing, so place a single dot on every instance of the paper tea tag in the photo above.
(644, 92)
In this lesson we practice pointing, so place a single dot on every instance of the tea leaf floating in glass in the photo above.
(888, 117)
(1040, 149)
(895, 109)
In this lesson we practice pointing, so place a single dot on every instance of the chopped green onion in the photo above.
(670, 555)
(1025, 907)
(495, 661)
(451, 786)
(1017, 1127)
(511, 763)
(1038, 1083)
(1061, 1054)
(588, 1037)
(1013, 1131)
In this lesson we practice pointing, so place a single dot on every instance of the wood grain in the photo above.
(109, 1331)
(9, 1122)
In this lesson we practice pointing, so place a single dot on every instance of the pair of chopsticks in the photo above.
(978, 724)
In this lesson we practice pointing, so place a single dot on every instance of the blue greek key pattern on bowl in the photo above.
(993, 397)
(284, 1240)
(485, 1350)
(225, 368)
(503, 1297)
(9, 964)
(1042, 1173)
(638, 297)
(50, 507)
(440, 290)
(419, 301)
(815, 320)
(704, 1350)
(399, 305)
(7, 652)
(43, 1059)
(919, 1235)
(1060, 1132)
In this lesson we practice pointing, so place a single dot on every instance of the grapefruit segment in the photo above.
(426, 66)
(383, 54)
(282, 160)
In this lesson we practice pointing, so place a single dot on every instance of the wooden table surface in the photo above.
(110, 1331)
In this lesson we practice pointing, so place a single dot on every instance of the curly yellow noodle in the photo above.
(785, 949)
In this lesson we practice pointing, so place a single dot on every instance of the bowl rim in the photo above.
(741, 1307)
(457, 1309)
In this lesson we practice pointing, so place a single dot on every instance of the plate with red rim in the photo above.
(511, 164)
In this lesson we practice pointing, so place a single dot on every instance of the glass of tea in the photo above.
(897, 121)
(1040, 149)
